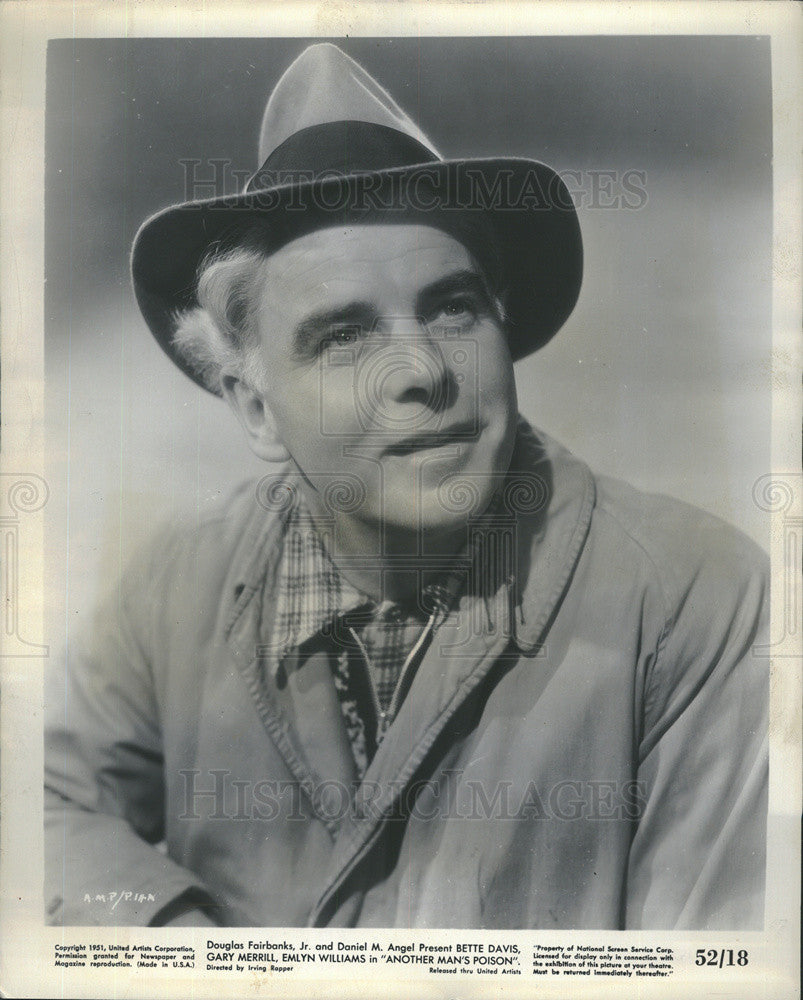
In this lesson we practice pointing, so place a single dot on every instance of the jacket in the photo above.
(585, 746)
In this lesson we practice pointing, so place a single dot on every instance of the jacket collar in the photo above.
(552, 494)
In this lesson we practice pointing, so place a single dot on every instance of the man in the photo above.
(432, 672)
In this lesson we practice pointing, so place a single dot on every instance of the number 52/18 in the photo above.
(721, 957)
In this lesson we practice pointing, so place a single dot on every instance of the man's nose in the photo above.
(410, 367)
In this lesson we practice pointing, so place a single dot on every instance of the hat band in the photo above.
(338, 149)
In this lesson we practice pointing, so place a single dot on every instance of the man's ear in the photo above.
(255, 418)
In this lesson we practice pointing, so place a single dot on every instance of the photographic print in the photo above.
(409, 484)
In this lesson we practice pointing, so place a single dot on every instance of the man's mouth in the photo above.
(426, 440)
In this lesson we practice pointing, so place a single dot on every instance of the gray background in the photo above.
(661, 376)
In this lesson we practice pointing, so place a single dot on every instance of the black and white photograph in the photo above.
(408, 496)
(429, 668)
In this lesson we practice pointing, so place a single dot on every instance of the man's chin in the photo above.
(435, 519)
(428, 535)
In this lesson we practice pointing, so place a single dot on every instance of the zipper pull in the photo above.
(383, 724)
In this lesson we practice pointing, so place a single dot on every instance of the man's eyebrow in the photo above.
(309, 331)
(464, 280)
(363, 314)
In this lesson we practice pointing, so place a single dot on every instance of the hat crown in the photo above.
(324, 85)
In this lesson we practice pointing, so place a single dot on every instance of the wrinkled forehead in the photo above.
(375, 236)
(406, 254)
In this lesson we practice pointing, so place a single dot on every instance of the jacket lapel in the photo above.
(551, 534)
(456, 662)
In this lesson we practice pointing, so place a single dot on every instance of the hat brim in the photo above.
(537, 234)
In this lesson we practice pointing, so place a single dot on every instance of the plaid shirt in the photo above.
(368, 642)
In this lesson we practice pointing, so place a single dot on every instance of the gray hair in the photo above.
(219, 336)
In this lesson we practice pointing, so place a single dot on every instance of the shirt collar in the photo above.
(310, 590)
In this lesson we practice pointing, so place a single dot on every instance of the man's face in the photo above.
(386, 360)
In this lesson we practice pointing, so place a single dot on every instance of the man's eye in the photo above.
(460, 309)
(342, 335)
(456, 308)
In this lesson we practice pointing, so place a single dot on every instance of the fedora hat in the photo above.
(335, 147)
